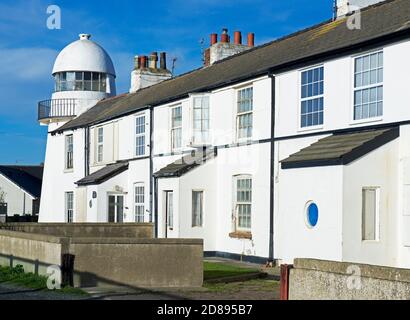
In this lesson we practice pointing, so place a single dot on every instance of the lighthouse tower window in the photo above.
(80, 81)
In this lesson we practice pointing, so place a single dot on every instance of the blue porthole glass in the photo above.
(312, 214)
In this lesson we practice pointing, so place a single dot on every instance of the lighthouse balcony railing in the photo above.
(56, 109)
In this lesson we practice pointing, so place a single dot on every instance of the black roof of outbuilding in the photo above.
(104, 174)
(28, 178)
(341, 148)
(186, 163)
(378, 22)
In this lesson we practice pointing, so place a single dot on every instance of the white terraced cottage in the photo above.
(296, 148)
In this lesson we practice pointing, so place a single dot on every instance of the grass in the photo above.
(214, 270)
(18, 277)
(250, 285)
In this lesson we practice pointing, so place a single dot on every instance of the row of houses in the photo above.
(295, 148)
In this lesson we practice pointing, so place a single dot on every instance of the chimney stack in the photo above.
(224, 48)
(163, 61)
(146, 72)
(251, 39)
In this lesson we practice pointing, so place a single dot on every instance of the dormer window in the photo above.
(200, 125)
(80, 81)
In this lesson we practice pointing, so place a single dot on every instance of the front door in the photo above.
(116, 208)
(169, 212)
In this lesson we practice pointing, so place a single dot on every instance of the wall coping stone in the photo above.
(33, 236)
(367, 271)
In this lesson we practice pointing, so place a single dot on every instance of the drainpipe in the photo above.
(86, 151)
(272, 171)
(153, 185)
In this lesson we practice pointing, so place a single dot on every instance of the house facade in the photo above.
(20, 191)
(296, 148)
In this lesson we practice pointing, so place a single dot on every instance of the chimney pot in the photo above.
(137, 62)
(251, 39)
(214, 38)
(163, 60)
(143, 63)
(153, 60)
(238, 37)
(224, 36)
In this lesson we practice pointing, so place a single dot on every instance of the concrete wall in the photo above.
(114, 260)
(329, 280)
(138, 263)
(18, 201)
(94, 230)
(34, 252)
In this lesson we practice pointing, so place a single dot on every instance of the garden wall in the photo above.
(311, 279)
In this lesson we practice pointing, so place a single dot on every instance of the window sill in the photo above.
(68, 170)
(368, 120)
(311, 128)
(241, 235)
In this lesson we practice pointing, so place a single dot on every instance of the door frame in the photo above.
(166, 193)
(116, 195)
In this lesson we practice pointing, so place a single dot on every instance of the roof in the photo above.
(186, 163)
(340, 149)
(28, 178)
(378, 22)
(104, 174)
(84, 55)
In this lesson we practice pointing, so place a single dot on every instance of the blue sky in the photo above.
(124, 28)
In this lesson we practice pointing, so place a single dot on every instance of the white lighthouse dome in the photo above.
(84, 55)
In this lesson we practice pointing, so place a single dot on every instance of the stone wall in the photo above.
(329, 280)
(92, 230)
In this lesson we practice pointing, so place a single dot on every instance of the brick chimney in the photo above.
(147, 73)
(225, 48)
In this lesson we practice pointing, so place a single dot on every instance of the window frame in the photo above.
(377, 191)
(237, 203)
(239, 115)
(67, 165)
(78, 83)
(361, 88)
(203, 140)
(99, 144)
(301, 99)
(195, 224)
(175, 128)
(69, 217)
(139, 135)
(139, 204)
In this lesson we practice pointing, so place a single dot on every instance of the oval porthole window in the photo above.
(312, 213)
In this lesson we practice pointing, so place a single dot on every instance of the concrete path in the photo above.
(12, 292)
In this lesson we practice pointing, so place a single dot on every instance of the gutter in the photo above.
(272, 171)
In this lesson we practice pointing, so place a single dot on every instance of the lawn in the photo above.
(215, 270)
(18, 277)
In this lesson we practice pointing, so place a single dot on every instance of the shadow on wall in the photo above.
(83, 279)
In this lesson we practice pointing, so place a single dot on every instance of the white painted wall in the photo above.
(293, 237)
(19, 202)
(379, 168)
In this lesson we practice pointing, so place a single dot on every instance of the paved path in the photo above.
(12, 292)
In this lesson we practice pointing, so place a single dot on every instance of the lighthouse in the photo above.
(83, 75)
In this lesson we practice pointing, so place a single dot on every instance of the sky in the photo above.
(124, 28)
